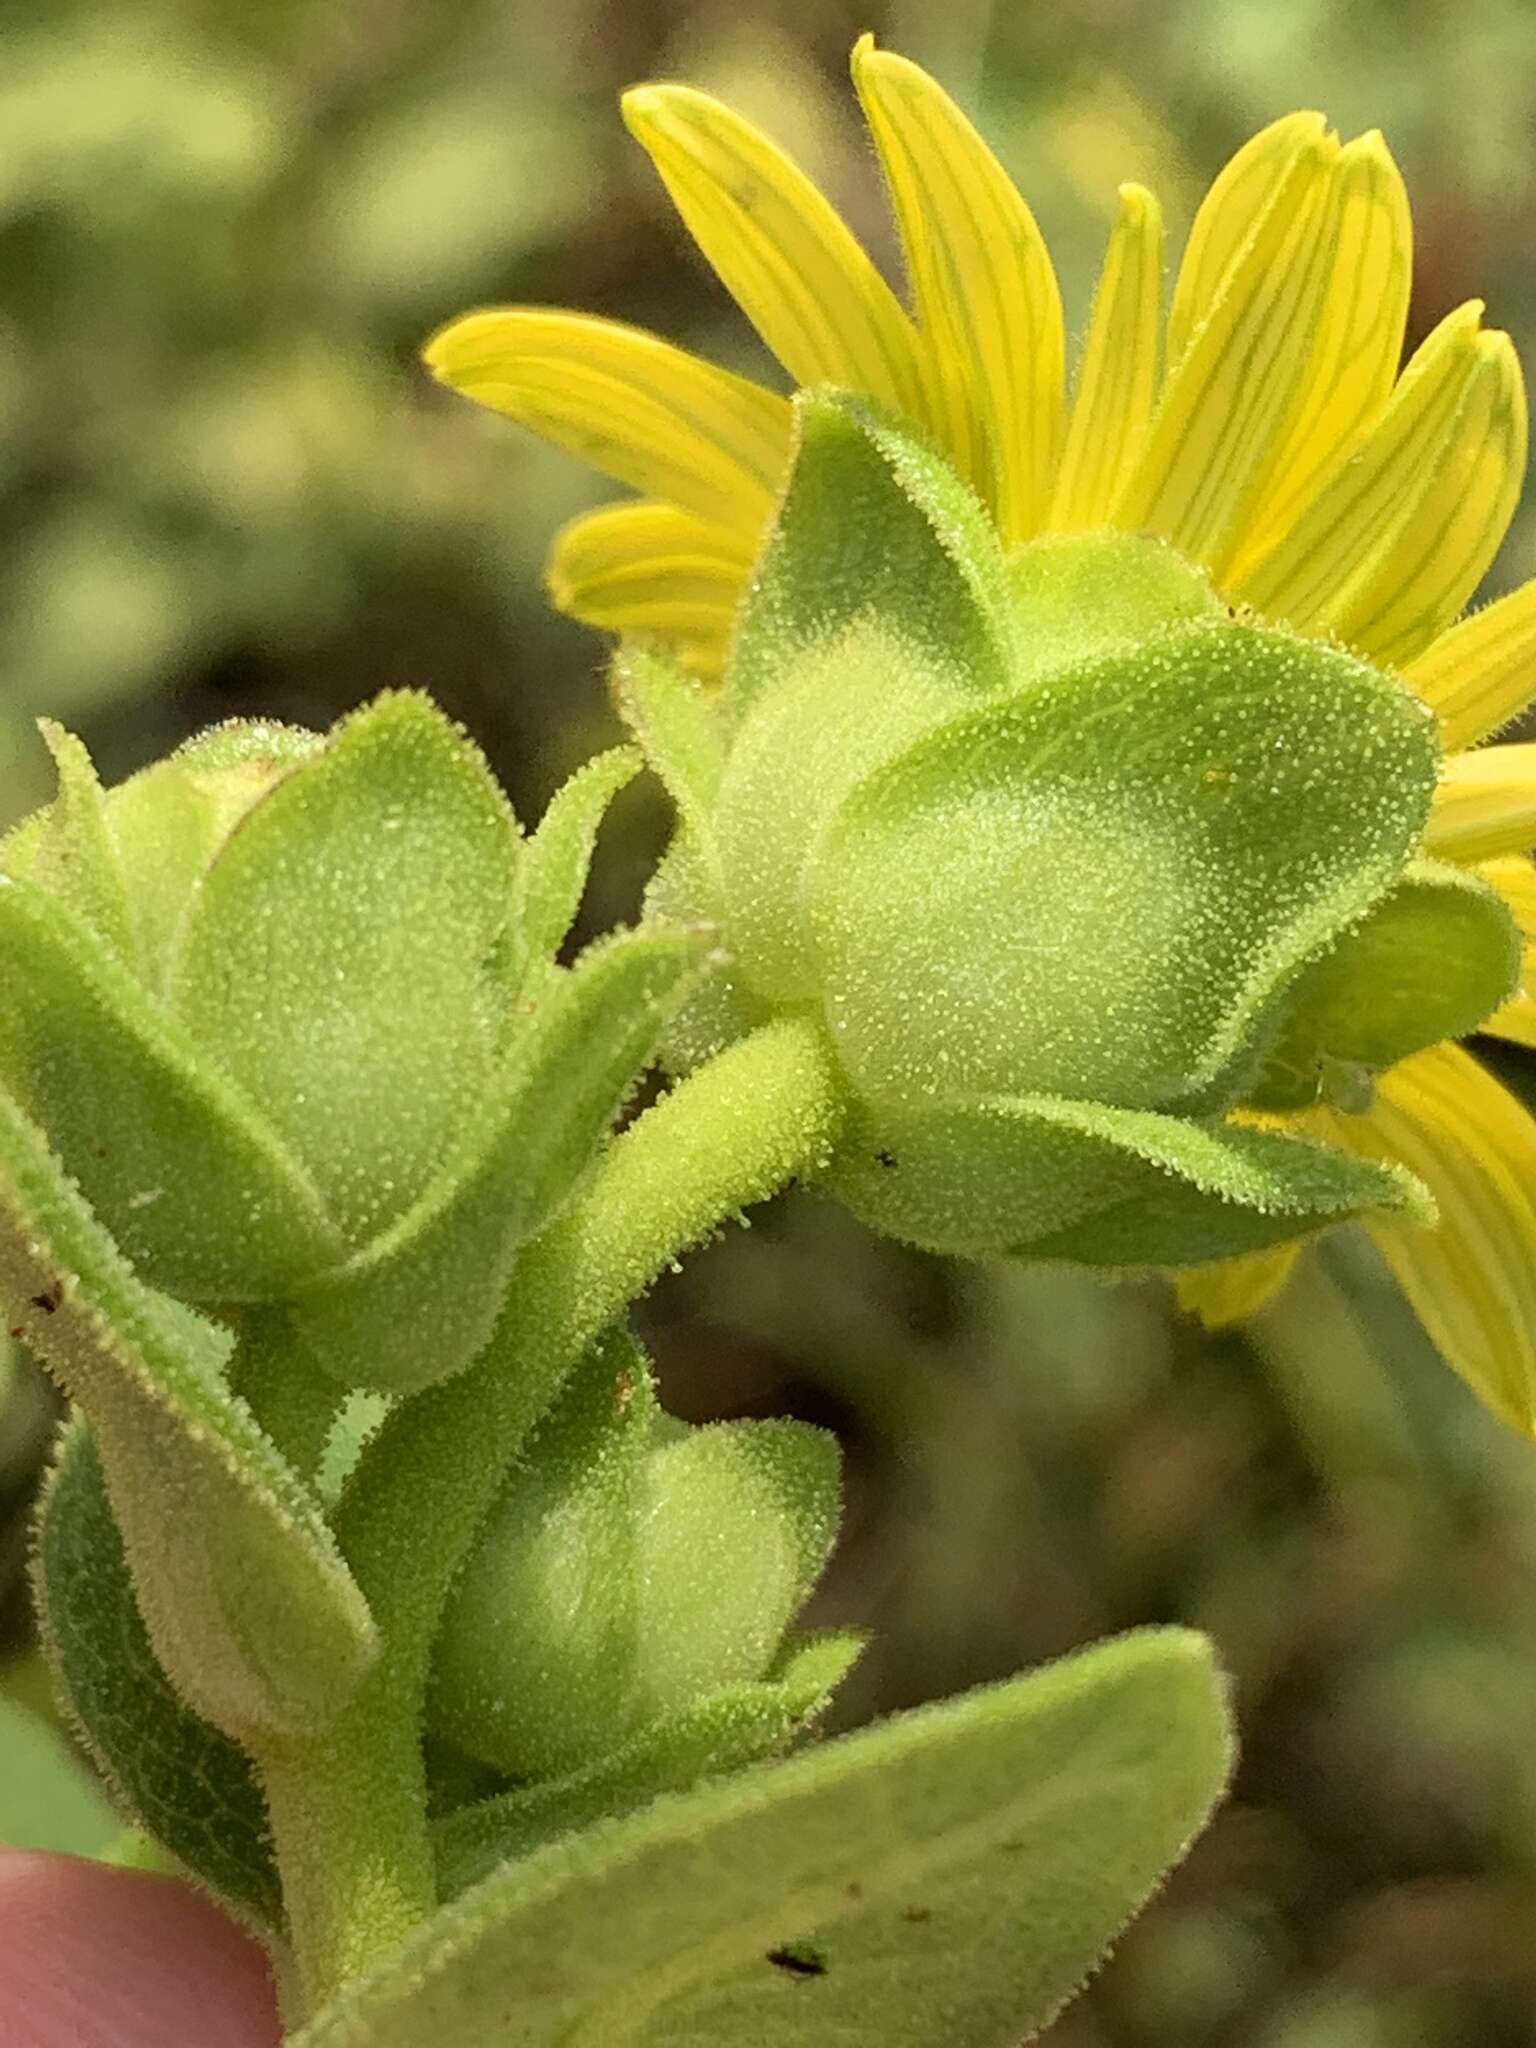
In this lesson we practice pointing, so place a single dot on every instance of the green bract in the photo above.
(1068, 863)
(288, 1011)
(600, 1603)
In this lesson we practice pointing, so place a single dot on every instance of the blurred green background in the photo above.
(228, 489)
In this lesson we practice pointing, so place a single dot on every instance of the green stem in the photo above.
(736, 1131)
(351, 1842)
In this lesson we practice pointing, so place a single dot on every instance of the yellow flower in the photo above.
(1263, 429)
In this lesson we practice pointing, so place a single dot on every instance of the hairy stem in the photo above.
(764, 1111)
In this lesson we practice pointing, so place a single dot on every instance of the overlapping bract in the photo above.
(289, 1014)
(1071, 865)
(606, 1625)
(1266, 429)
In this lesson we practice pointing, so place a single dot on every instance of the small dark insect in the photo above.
(46, 1302)
(885, 1159)
(798, 1960)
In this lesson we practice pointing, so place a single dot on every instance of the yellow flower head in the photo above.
(1264, 429)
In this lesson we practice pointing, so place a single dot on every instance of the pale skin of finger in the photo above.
(92, 1957)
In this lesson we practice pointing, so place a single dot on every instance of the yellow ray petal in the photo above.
(1227, 403)
(649, 569)
(649, 414)
(1485, 804)
(1117, 375)
(1515, 879)
(1233, 1289)
(1471, 1278)
(1240, 195)
(1481, 673)
(1392, 547)
(1358, 344)
(1442, 553)
(781, 250)
(983, 286)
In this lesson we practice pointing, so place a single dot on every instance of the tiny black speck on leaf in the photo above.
(797, 1960)
(47, 1302)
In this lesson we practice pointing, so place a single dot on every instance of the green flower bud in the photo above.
(1068, 862)
(633, 1569)
(287, 1010)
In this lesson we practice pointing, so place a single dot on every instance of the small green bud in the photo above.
(287, 1010)
(633, 1568)
(1069, 862)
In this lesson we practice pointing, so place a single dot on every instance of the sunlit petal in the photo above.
(1485, 804)
(1435, 562)
(1243, 191)
(1357, 346)
(983, 286)
(649, 414)
(649, 569)
(1482, 673)
(1472, 1277)
(1228, 401)
(1515, 879)
(1117, 376)
(780, 248)
(1233, 1289)
(1390, 550)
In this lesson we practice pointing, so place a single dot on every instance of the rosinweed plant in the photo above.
(1067, 865)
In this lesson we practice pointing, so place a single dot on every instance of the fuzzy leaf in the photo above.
(170, 820)
(951, 1876)
(1430, 962)
(190, 1787)
(737, 1520)
(420, 1302)
(874, 524)
(1077, 597)
(552, 874)
(76, 856)
(248, 1602)
(338, 959)
(718, 1008)
(738, 1725)
(1104, 1186)
(882, 608)
(196, 1185)
(1096, 891)
(677, 726)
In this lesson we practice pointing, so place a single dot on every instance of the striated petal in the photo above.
(1357, 347)
(1233, 1289)
(1515, 879)
(649, 569)
(1459, 519)
(1393, 546)
(983, 287)
(1485, 804)
(779, 247)
(1241, 194)
(1482, 673)
(651, 415)
(1117, 376)
(1228, 401)
(1471, 1278)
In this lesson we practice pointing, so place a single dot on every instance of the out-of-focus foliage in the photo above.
(226, 487)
